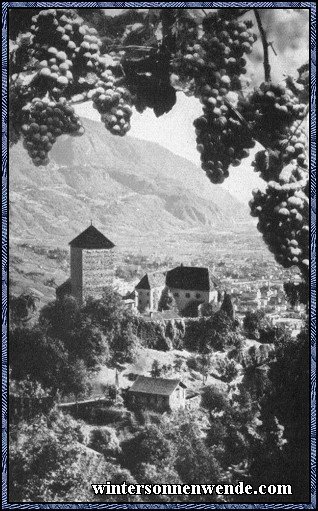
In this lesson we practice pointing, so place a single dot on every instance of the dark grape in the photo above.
(113, 103)
(223, 139)
(44, 121)
(283, 219)
(65, 48)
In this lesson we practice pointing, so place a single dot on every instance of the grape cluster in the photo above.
(271, 108)
(290, 147)
(283, 219)
(64, 48)
(223, 138)
(275, 115)
(223, 135)
(190, 64)
(113, 103)
(45, 120)
(225, 42)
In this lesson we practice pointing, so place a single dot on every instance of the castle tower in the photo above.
(92, 264)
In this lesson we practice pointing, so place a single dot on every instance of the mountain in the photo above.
(130, 189)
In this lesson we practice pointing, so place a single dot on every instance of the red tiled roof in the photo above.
(91, 238)
(159, 386)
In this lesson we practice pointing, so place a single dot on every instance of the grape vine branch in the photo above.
(267, 67)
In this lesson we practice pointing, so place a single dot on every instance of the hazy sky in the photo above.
(288, 29)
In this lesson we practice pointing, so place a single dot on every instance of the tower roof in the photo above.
(91, 238)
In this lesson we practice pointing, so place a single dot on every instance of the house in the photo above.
(149, 291)
(157, 393)
(190, 284)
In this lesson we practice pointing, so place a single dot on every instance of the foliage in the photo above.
(152, 334)
(296, 292)
(227, 306)
(70, 342)
(208, 309)
(148, 446)
(254, 322)
(104, 440)
(191, 310)
(21, 308)
(285, 415)
(214, 399)
(227, 369)
(34, 355)
(47, 462)
(216, 333)
(125, 345)
(155, 369)
(167, 301)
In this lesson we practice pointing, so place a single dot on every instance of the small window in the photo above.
(148, 293)
(187, 295)
(198, 295)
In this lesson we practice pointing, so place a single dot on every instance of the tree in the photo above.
(106, 313)
(227, 369)
(21, 309)
(167, 301)
(125, 345)
(155, 369)
(227, 306)
(208, 309)
(254, 322)
(48, 463)
(151, 474)
(149, 445)
(214, 399)
(288, 399)
(105, 441)
(191, 310)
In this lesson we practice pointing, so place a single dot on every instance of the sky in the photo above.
(288, 29)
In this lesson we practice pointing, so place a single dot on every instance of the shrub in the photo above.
(104, 440)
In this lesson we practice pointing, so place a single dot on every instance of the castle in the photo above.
(92, 261)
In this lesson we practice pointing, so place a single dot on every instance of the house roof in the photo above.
(151, 280)
(91, 238)
(191, 278)
(159, 386)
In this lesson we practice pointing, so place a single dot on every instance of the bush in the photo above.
(105, 441)
(214, 399)
(152, 335)
(227, 369)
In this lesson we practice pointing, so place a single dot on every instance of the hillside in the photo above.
(129, 187)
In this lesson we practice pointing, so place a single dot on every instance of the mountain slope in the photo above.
(128, 187)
